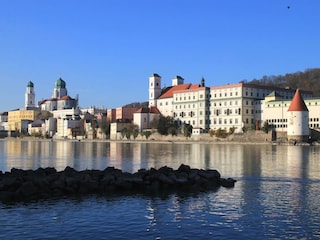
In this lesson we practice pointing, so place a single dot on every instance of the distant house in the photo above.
(144, 116)
(4, 121)
(121, 114)
(37, 127)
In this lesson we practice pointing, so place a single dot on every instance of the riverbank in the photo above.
(250, 137)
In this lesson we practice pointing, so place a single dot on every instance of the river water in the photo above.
(276, 195)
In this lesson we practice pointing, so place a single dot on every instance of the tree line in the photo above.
(309, 80)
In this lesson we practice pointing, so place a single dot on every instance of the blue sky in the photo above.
(105, 50)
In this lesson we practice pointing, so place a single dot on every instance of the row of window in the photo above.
(277, 120)
(285, 125)
(185, 106)
(231, 121)
(189, 97)
(188, 114)
(286, 120)
(216, 112)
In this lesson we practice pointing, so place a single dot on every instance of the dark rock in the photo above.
(27, 190)
(229, 182)
(184, 168)
(21, 185)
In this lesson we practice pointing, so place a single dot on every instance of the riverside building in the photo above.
(227, 106)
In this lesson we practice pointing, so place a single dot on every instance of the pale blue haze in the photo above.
(106, 49)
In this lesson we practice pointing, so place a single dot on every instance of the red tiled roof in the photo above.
(148, 110)
(66, 98)
(195, 86)
(297, 103)
(154, 110)
(169, 92)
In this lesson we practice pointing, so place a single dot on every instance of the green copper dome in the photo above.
(60, 83)
(30, 84)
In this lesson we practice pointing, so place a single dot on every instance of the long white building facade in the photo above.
(228, 106)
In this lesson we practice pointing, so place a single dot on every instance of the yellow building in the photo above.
(17, 118)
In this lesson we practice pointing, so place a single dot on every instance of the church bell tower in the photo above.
(30, 96)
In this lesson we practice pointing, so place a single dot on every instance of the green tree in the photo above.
(147, 134)
(187, 130)
(231, 130)
(124, 132)
(166, 123)
(135, 133)
(265, 127)
(104, 125)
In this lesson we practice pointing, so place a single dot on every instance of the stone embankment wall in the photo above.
(43, 183)
(250, 136)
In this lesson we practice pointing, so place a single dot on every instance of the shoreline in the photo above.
(162, 141)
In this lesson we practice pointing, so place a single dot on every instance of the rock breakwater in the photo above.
(43, 183)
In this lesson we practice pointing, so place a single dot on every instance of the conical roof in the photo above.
(297, 103)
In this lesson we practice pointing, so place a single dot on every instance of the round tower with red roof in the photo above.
(298, 119)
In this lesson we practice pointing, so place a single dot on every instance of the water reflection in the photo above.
(276, 196)
(231, 160)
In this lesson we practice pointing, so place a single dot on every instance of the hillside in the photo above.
(136, 105)
(308, 80)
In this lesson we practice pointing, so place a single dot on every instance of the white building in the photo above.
(191, 105)
(223, 107)
(60, 98)
(244, 105)
(145, 116)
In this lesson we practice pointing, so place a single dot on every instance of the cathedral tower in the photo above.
(60, 89)
(30, 96)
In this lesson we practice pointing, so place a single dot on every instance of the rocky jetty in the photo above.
(43, 183)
